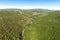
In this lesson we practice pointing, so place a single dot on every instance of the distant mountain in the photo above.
(37, 10)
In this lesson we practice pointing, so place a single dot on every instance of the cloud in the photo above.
(29, 7)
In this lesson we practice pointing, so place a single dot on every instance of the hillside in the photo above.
(38, 24)
(45, 27)
(11, 23)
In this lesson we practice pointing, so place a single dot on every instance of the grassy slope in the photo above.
(44, 28)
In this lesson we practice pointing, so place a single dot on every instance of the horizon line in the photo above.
(29, 7)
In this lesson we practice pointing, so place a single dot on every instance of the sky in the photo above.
(30, 4)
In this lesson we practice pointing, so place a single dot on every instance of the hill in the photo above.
(11, 23)
(44, 27)
(38, 24)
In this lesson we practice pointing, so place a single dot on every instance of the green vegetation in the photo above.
(45, 24)
(11, 23)
(45, 27)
